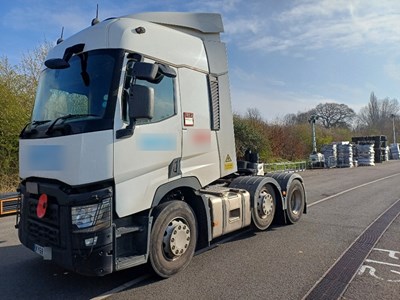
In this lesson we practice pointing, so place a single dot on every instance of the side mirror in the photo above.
(144, 71)
(56, 63)
(141, 106)
(167, 71)
(151, 72)
(141, 102)
(62, 63)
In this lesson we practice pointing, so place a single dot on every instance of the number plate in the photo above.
(45, 252)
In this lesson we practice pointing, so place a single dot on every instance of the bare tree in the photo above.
(376, 116)
(32, 64)
(253, 114)
(299, 118)
(333, 115)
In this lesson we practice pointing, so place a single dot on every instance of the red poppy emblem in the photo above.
(42, 206)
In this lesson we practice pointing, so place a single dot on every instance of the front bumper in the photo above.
(55, 231)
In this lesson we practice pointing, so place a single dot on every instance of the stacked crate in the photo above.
(330, 154)
(380, 145)
(366, 154)
(344, 155)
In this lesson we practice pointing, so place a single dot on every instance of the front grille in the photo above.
(51, 216)
(46, 230)
(44, 234)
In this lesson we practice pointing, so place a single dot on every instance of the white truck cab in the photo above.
(130, 154)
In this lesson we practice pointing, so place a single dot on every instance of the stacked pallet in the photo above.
(344, 155)
(330, 154)
(366, 154)
(394, 150)
(380, 144)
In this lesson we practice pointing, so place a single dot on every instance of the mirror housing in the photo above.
(62, 63)
(56, 63)
(145, 71)
(151, 72)
(141, 106)
(167, 71)
(141, 102)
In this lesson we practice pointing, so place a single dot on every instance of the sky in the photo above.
(284, 56)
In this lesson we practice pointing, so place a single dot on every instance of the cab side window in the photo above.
(164, 99)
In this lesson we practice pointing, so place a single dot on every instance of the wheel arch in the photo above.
(187, 182)
(285, 180)
(252, 183)
(188, 188)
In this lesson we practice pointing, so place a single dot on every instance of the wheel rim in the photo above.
(265, 204)
(295, 202)
(176, 238)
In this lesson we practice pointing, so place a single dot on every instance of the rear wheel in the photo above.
(173, 238)
(295, 201)
(264, 206)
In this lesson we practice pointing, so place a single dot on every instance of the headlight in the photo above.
(95, 215)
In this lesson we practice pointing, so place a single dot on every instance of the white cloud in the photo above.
(315, 24)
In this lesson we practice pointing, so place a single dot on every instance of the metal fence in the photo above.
(286, 167)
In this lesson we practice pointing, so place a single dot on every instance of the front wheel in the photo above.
(173, 238)
(295, 201)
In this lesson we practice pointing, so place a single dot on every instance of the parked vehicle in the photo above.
(130, 155)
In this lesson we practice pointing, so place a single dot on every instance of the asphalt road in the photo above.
(284, 262)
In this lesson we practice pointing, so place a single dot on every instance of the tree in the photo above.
(376, 116)
(32, 64)
(334, 115)
(250, 134)
(299, 118)
(17, 92)
(14, 115)
(254, 115)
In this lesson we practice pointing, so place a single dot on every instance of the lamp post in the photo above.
(393, 116)
(316, 159)
(312, 120)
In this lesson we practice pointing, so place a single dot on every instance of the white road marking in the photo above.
(351, 189)
(121, 288)
(381, 263)
(372, 271)
(395, 272)
(392, 253)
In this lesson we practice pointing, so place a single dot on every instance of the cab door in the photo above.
(142, 162)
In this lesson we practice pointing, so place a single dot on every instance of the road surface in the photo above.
(284, 262)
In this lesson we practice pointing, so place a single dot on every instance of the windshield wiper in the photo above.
(37, 123)
(30, 124)
(66, 117)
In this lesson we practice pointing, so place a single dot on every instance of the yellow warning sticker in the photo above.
(228, 165)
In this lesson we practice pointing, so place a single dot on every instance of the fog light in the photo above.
(91, 241)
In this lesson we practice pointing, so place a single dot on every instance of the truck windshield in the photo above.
(84, 89)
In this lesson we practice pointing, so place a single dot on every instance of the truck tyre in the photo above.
(173, 238)
(264, 206)
(295, 201)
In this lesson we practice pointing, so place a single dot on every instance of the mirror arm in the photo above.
(128, 131)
